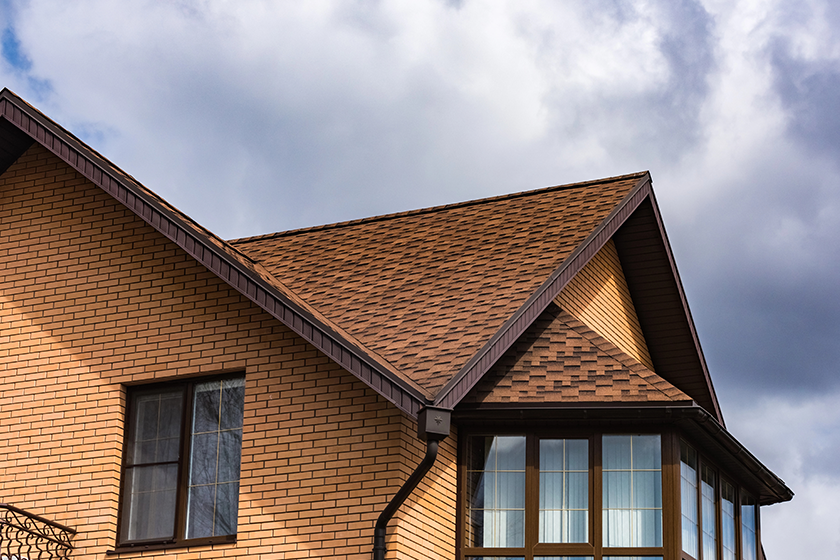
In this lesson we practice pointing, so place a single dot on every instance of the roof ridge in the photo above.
(616, 353)
(432, 209)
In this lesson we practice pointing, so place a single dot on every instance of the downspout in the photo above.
(432, 427)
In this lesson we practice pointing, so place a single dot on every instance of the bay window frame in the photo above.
(739, 494)
(594, 546)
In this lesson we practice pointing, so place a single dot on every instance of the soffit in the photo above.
(661, 305)
(13, 142)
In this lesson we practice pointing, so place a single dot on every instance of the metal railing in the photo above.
(26, 536)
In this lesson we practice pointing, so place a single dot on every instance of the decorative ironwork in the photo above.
(26, 536)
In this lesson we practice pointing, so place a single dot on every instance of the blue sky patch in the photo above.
(12, 52)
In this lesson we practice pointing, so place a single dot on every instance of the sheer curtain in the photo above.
(632, 491)
(496, 493)
(564, 491)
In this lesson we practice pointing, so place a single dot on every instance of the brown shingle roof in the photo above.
(559, 359)
(426, 289)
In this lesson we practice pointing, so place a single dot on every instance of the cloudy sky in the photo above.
(256, 116)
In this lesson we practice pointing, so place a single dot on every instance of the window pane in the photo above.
(748, 540)
(150, 510)
(496, 491)
(688, 499)
(155, 427)
(151, 470)
(510, 453)
(564, 491)
(632, 558)
(617, 489)
(206, 407)
(201, 511)
(647, 489)
(617, 452)
(709, 509)
(233, 403)
(203, 461)
(216, 447)
(617, 527)
(632, 491)
(646, 455)
(647, 527)
(727, 522)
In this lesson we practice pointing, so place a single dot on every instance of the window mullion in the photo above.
(184, 460)
(532, 489)
(596, 515)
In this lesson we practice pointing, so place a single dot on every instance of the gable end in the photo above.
(219, 257)
(461, 384)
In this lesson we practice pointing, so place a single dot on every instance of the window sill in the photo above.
(149, 546)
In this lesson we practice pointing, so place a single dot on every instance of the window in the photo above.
(727, 520)
(546, 498)
(181, 465)
(688, 495)
(748, 528)
(632, 475)
(709, 516)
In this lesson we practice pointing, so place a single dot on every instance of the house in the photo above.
(513, 377)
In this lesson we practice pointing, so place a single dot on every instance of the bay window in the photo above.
(710, 519)
(537, 497)
(599, 496)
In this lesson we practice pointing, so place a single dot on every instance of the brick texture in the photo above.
(92, 300)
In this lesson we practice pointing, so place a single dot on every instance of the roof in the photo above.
(426, 289)
(560, 359)
(421, 305)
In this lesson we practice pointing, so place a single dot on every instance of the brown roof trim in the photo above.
(689, 320)
(219, 257)
(458, 387)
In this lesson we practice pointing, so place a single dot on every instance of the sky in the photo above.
(260, 116)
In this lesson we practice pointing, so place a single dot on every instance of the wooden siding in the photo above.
(93, 299)
(598, 297)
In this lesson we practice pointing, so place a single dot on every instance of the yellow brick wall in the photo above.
(92, 299)
(598, 296)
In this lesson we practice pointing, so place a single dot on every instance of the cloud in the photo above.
(799, 440)
(256, 116)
